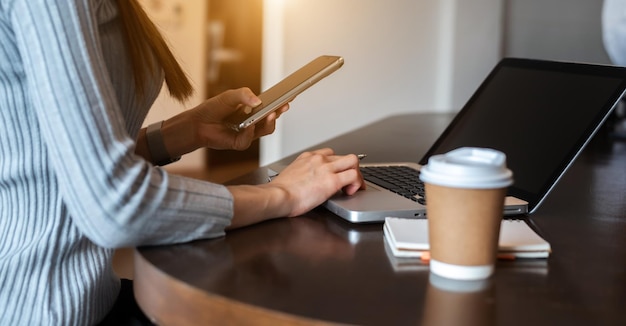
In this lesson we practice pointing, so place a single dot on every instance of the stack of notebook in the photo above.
(408, 238)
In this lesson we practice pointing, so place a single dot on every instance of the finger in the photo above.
(270, 119)
(273, 116)
(282, 110)
(322, 152)
(243, 95)
(264, 131)
(267, 126)
(347, 166)
(344, 162)
(351, 180)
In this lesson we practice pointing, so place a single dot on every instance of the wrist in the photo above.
(180, 135)
(278, 202)
(156, 145)
(253, 204)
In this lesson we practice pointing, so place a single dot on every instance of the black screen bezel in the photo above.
(534, 198)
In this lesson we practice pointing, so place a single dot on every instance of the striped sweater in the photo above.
(71, 187)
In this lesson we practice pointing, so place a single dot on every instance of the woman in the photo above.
(77, 80)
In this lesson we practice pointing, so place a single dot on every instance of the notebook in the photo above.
(409, 238)
(540, 113)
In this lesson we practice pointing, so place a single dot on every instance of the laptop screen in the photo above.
(540, 114)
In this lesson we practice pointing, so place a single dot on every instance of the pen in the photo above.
(361, 156)
(425, 256)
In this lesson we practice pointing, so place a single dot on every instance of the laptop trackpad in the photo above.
(374, 199)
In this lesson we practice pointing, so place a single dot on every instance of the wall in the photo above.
(183, 23)
(400, 56)
(555, 29)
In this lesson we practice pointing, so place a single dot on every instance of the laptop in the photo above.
(540, 113)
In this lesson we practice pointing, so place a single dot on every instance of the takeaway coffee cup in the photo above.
(465, 191)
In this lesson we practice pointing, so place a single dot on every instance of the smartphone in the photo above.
(285, 91)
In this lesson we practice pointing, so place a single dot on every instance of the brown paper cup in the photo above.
(465, 191)
(464, 228)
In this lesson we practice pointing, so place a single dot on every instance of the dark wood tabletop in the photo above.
(319, 269)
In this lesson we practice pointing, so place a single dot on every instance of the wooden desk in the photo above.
(318, 269)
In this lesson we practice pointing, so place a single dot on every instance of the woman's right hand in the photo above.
(306, 183)
(315, 176)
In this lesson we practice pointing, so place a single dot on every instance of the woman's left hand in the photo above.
(212, 130)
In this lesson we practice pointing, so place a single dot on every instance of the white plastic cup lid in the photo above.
(468, 167)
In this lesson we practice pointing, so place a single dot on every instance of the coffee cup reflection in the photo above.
(457, 302)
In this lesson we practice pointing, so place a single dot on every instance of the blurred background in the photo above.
(400, 56)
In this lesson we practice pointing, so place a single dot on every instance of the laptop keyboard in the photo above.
(402, 180)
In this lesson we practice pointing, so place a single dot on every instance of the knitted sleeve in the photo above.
(114, 197)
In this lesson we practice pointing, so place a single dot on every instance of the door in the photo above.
(233, 61)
